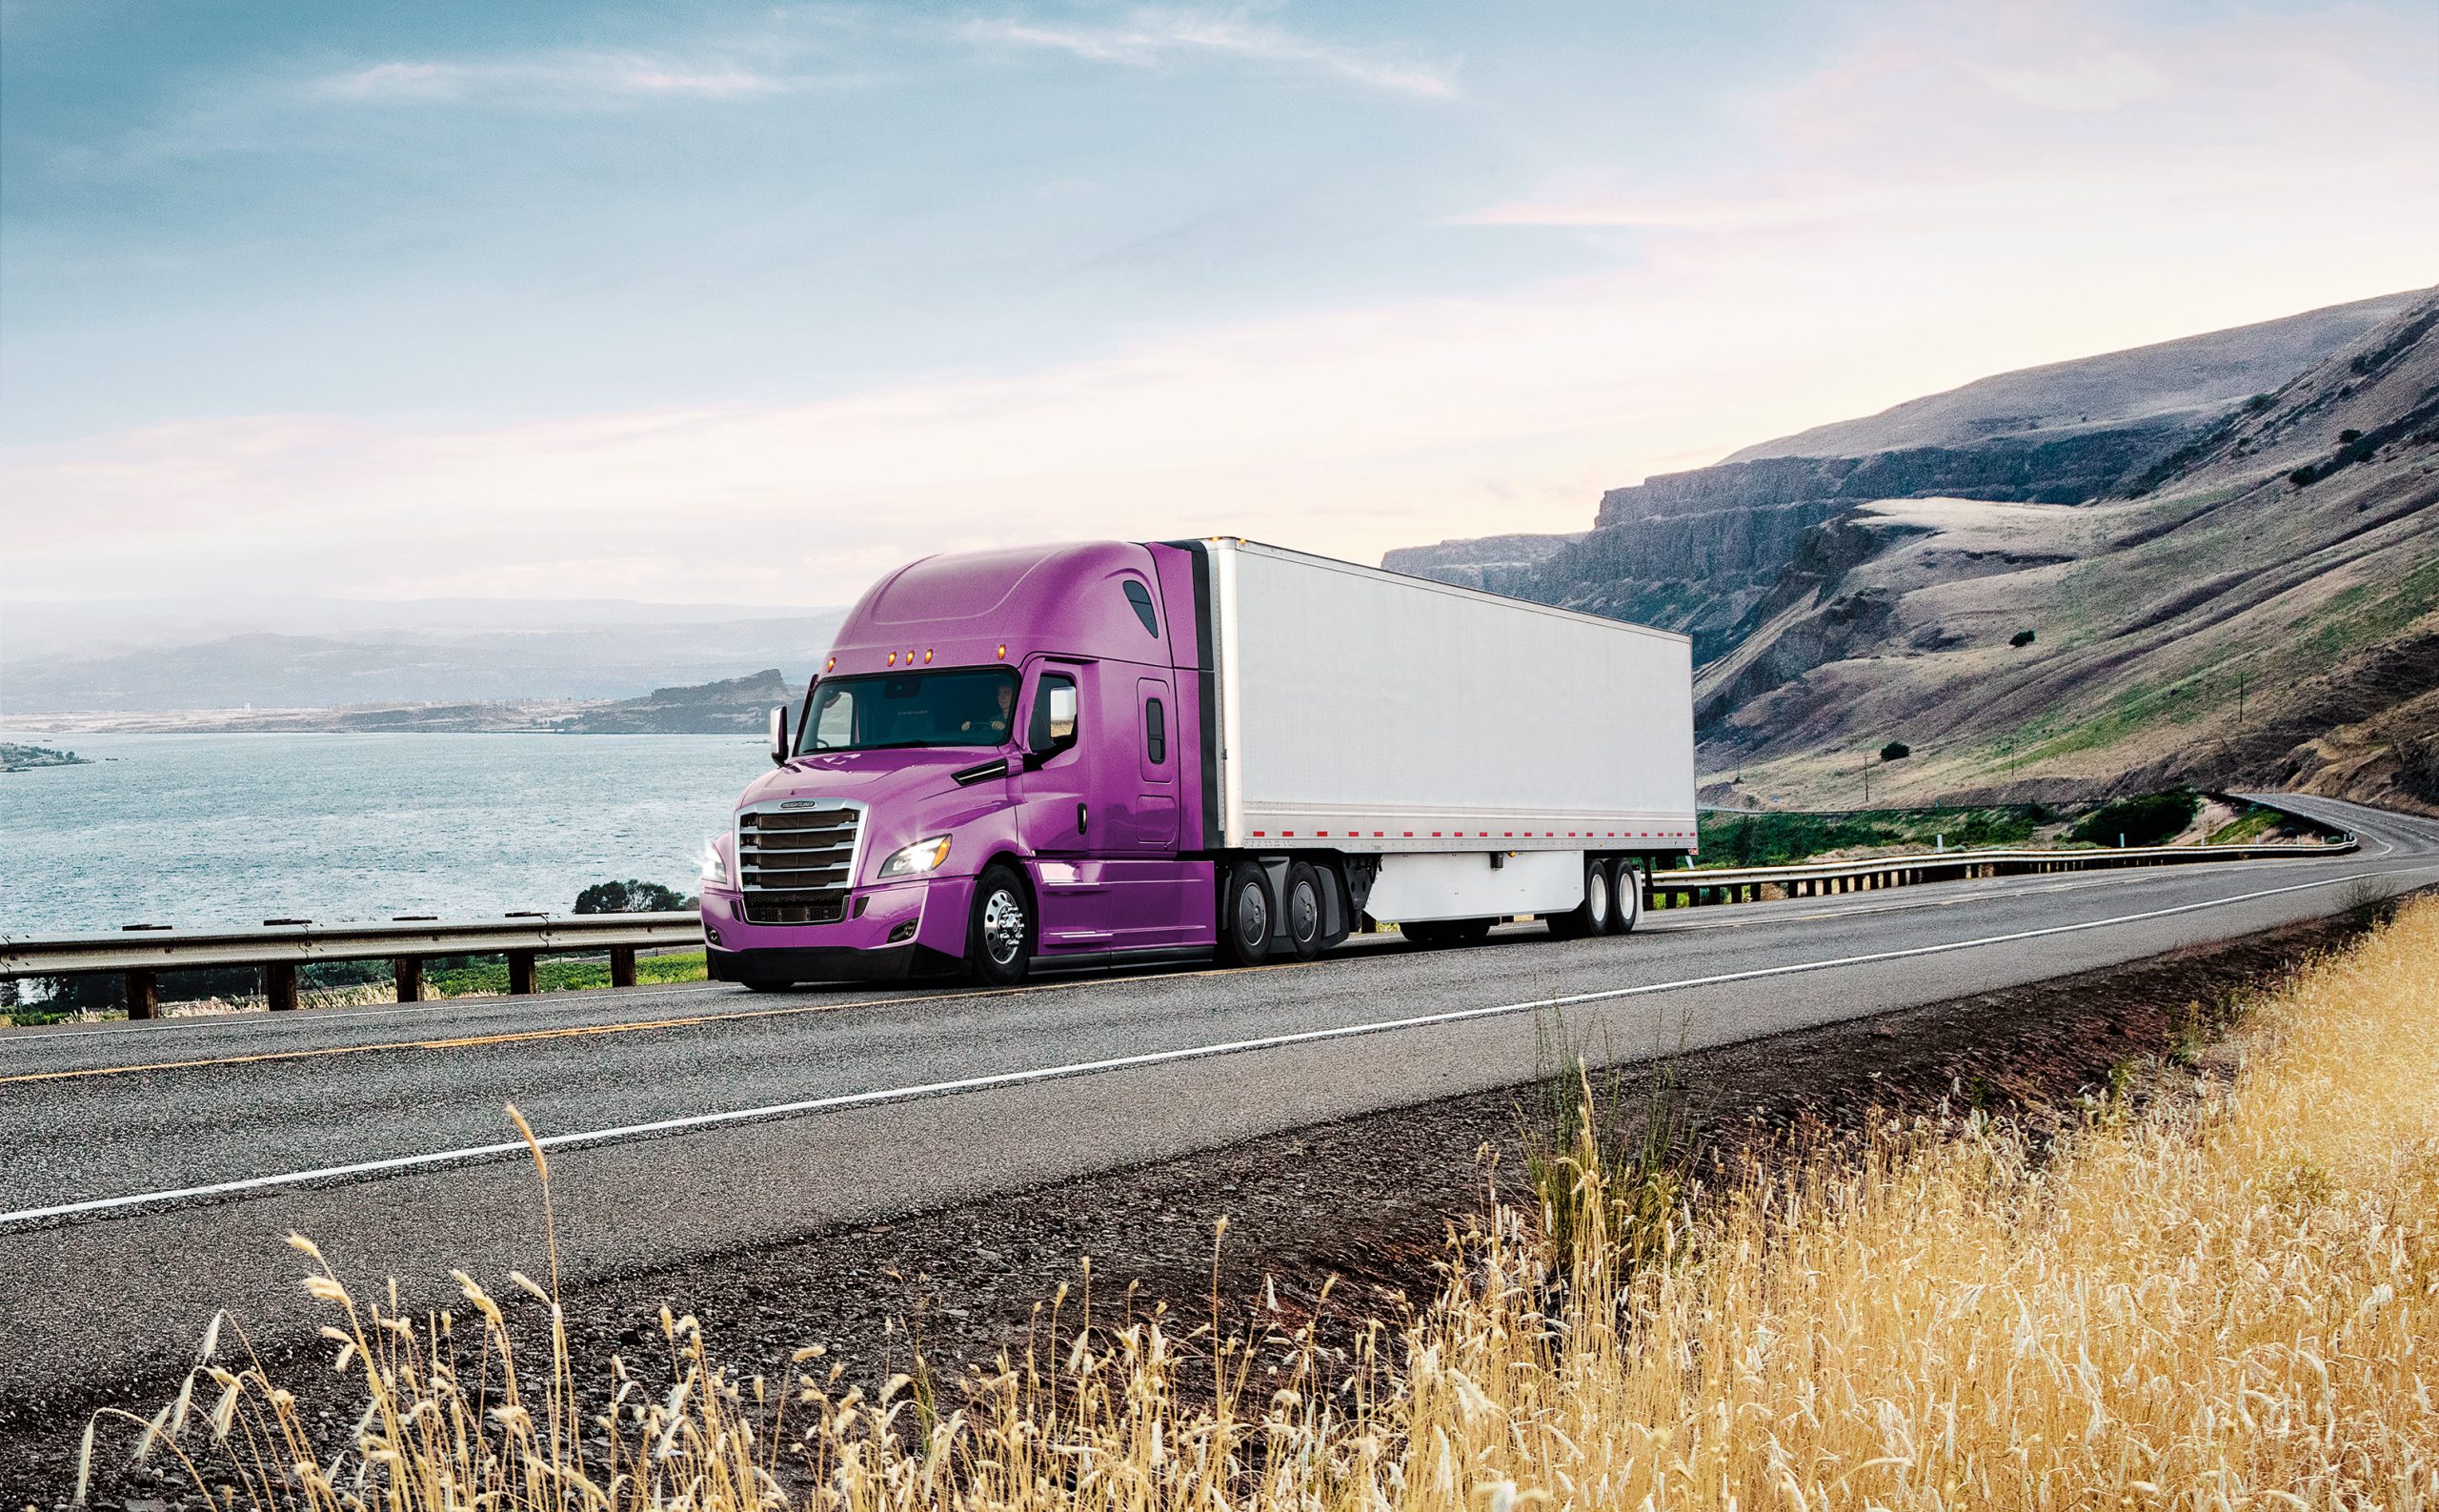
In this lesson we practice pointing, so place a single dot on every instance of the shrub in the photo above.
(2021, 637)
(2302, 476)
(629, 897)
(2348, 436)
(1896, 751)
(2418, 767)
(2146, 821)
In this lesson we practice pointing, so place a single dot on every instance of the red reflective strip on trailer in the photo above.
(1258, 833)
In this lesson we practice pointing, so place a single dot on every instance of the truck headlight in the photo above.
(917, 858)
(715, 867)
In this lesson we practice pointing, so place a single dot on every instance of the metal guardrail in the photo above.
(280, 947)
(1823, 878)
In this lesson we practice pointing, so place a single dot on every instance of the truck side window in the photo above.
(1155, 731)
(1141, 597)
(1054, 713)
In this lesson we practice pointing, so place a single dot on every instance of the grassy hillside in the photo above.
(2263, 611)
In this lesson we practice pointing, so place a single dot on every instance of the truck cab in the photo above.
(1022, 719)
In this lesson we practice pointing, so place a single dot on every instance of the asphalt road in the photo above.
(156, 1169)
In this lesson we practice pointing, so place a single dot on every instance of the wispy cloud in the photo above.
(561, 76)
(2023, 121)
(1156, 38)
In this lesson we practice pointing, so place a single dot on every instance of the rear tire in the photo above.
(999, 938)
(1303, 911)
(1245, 914)
(1591, 917)
(1626, 893)
(1470, 931)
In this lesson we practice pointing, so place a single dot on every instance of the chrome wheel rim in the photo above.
(1003, 925)
(1595, 897)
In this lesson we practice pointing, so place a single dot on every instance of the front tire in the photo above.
(1245, 914)
(998, 941)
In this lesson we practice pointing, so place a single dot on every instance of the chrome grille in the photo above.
(796, 864)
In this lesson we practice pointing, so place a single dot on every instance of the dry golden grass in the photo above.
(2226, 1297)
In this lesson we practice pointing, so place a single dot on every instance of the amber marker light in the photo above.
(831, 665)
(1003, 653)
(927, 655)
(892, 659)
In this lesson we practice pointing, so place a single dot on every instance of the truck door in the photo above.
(1156, 805)
(1056, 817)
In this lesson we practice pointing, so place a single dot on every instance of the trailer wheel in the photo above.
(1245, 914)
(1592, 916)
(998, 941)
(1304, 910)
(1469, 930)
(1627, 898)
(1424, 934)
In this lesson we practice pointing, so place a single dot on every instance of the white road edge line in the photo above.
(1008, 1079)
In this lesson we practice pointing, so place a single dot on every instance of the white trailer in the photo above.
(1480, 756)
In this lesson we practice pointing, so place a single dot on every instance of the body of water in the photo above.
(221, 829)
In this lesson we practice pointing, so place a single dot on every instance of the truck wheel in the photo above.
(1469, 930)
(1591, 917)
(998, 942)
(1245, 915)
(1304, 908)
(1424, 934)
(1626, 894)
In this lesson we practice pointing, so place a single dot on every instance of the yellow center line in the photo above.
(566, 1032)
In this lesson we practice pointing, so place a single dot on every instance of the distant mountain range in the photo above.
(2223, 550)
(111, 660)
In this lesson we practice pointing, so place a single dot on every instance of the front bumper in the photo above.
(907, 928)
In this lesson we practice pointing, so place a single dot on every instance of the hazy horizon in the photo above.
(745, 306)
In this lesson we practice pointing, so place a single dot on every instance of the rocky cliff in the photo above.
(2149, 516)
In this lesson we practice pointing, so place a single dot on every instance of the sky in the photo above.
(750, 303)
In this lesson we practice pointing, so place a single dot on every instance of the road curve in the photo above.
(158, 1167)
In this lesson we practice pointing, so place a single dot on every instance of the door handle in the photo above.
(1080, 818)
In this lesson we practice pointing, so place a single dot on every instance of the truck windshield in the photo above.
(969, 707)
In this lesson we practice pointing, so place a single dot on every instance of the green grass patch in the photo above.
(2247, 827)
(1731, 839)
(562, 973)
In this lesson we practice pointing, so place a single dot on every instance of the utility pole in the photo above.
(1866, 779)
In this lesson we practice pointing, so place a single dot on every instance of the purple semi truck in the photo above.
(1119, 752)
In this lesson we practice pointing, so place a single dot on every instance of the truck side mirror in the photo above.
(779, 735)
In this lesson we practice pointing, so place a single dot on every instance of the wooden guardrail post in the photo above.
(143, 995)
(622, 965)
(520, 973)
(279, 985)
(408, 970)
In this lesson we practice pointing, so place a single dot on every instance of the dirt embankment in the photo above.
(1363, 1208)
